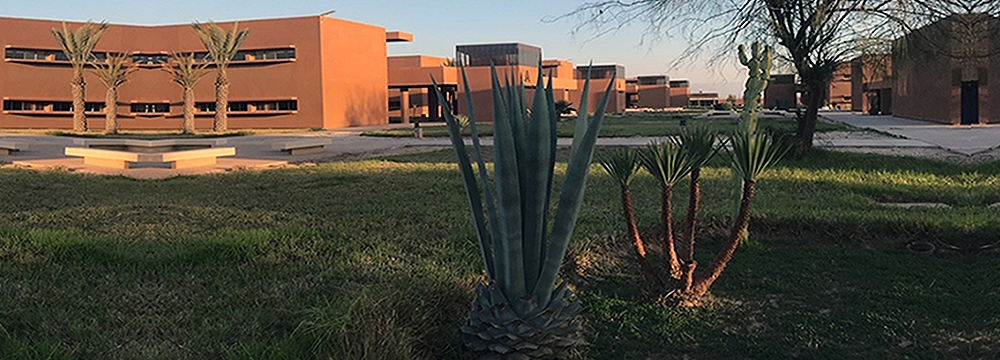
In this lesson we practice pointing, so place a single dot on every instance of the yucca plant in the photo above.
(78, 45)
(113, 73)
(519, 312)
(186, 72)
(699, 146)
(751, 156)
(222, 46)
(623, 164)
(666, 162)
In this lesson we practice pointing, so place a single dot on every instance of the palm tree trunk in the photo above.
(221, 101)
(111, 106)
(633, 233)
(189, 110)
(705, 279)
(79, 118)
(668, 231)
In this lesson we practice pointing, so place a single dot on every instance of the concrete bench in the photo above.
(7, 146)
(178, 159)
(150, 146)
(299, 147)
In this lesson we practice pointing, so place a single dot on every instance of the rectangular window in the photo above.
(62, 106)
(205, 106)
(150, 108)
(288, 105)
(94, 107)
(238, 106)
(13, 105)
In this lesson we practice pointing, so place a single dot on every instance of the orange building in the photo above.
(680, 93)
(651, 92)
(304, 72)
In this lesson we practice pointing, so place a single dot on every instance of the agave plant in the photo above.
(520, 312)
(186, 72)
(78, 45)
(222, 46)
(113, 73)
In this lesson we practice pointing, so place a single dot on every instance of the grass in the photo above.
(376, 259)
(643, 124)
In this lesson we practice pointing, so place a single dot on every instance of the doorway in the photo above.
(970, 103)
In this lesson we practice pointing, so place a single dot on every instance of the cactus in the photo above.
(759, 66)
(520, 313)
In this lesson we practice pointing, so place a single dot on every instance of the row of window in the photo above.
(49, 106)
(150, 108)
(150, 59)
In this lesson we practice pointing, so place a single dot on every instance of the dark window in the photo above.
(205, 106)
(150, 59)
(61, 56)
(288, 105)
(94, 107)
(394, 103)
(285, 54)
(64, 106)
(147, 108)
(238, 106)
(13, 105)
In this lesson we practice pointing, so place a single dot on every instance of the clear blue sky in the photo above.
(437, 25)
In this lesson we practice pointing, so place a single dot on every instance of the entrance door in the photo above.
(970, 102)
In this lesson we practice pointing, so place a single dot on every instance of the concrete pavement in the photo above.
(965, 139)
(255, 151)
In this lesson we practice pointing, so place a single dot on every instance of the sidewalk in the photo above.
(967, 140)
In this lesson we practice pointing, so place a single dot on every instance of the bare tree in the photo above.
(812, 36)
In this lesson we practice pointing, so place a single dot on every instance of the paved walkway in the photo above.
(347, 144)
(967, 140)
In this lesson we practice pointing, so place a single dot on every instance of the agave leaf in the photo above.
(536, 171)
(505, 163)
(570, 200)
(471, 186)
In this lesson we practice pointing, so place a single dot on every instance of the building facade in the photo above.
(305, 72)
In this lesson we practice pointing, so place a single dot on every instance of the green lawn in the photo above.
(655, 124)
(378, 259)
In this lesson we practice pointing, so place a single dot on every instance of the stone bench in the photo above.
(178, 159)
(299, 147)
(7, 146)
(150, 146)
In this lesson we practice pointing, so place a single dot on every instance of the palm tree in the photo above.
(79, 46)
(222, 46)
(186, 72)
(113, 74)
(623, 164)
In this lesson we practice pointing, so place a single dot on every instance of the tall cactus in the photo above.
(520, 313)
(759, 65)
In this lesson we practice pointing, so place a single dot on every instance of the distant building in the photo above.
(303, 72)
(781, 92)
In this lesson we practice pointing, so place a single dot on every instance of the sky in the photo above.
(437, 26)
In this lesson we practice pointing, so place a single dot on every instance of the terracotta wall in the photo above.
(324, 78)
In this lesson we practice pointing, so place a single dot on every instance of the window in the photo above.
(252, 106)
(94, 107)
(150, 59)
(62, 106)
(267, 54)
(150, 108)
(238, 106)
